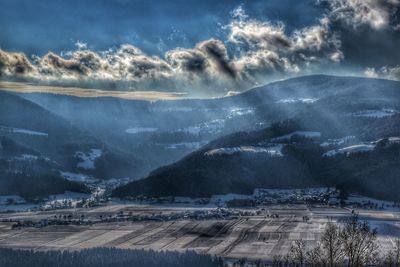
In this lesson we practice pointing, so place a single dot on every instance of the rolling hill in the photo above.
(325, 131)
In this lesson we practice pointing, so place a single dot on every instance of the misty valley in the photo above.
(313, 131)
(236, 177)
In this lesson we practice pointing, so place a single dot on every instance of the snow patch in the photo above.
(88, 159)
(306, 134)
(186, 145)
(339, 141)
(172, 109)
(272, 151)
(26, 157)
(385, 112)
(21, 131)
(394, 139)
(136, 130)
(78, 177)
(211, 127)
(297, 100)
(361, 148)
(11, 199)
(391, 140)
(236, 112)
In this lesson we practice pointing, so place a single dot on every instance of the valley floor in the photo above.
(265, 232)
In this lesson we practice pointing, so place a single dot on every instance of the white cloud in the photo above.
(267, 48)
(378, 14)
(81, 45)
(386, 72)
(261, 51)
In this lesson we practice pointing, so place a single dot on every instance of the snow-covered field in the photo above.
(257, 233)
(88, 158)
(14, 203)
(358, 200)
(17, 207)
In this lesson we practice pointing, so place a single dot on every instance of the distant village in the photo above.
(227, 207)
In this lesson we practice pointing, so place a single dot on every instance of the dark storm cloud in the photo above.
(14, 64)
(189, 60)
(217, 53)
(209, 56)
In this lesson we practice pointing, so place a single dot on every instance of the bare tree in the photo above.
(359, 242)
(392, 259)
(396, 253)
(328, 252)
(278, 261)
(297, 253)
(332, 245)
(314, 257)
(353, 245)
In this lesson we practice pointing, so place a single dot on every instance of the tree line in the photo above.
(105, 257)
(354, 244)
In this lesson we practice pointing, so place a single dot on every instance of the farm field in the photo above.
(266, 233)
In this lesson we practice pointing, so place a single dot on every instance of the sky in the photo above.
(202, 47)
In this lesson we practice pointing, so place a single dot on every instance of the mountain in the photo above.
(324, 131)
(83, 138)
(162, 132)
(40, 151)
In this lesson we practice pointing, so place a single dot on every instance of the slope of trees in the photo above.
(37, 185)
(373, 173)
(104, 257)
